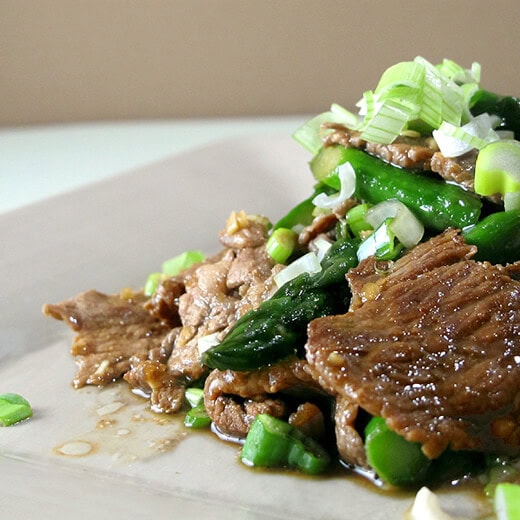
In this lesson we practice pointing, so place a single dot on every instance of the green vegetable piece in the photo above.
(382, 243)
(499, 469)
(394, 459)
(268, 443)
(194, 396)
(281, 244)
(151, 284)
(497, 169)
(307, 455)
(197, 418)
(278, 327)
(437, 204)
(356, 219)
(13, 408)
(274, 443)
(497, 237)
(175, 265)
(507, 501)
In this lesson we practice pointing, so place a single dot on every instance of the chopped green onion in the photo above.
(507, 501)
(152, 283)
(499, 469)
(309, 135)
(197, 418)
(404, 224)
(395, 460)
(454, 141)
(307, 263)
(385, 122)
(411, 93)
(458, 74)
(347, 178)
(274, 443)
(13, 408)
(356, 219)
(281, 244)
(381, 243)
(497, 169)
(194, 396)
(175, 265)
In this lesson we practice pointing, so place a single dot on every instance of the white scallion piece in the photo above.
(347, 179)
(307, 263)
(454, 141)
(405, 225)
(206, 342)
(322, 246)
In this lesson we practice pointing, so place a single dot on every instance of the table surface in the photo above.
(37, 162)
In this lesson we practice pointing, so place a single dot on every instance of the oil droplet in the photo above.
(75, 448)
(110, 408)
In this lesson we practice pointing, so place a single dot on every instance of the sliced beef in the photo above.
(233, 399)
(456, 169)
(433, 347)
(413, 153)
(111, 330)
(154, 343)
(405, 152)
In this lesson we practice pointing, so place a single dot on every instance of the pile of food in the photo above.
(377, 323)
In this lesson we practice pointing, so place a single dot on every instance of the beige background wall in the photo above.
(77, 60)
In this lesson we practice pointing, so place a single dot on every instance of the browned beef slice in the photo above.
(233, 399)
(405, 152)
(435, 350)
(111, 330)
(207, 299)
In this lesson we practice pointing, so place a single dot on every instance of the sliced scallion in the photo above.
(507, 501)
(281, 244)
(382, 244)
(152, 283)
(356, 219)
(347, 179)
(13, 408)
(497, 169)
(307, 263)
(175, 265)
(403, 223)
(194, 396)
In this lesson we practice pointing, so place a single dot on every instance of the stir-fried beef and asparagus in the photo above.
(377, 323)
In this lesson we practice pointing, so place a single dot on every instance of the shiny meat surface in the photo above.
(433, 347)
(233, 399)
(111, 330)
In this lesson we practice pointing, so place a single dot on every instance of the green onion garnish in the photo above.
(175, 265)
(194, 396)
(13, 408)
(281, 244)
(507, 501)
(497, 169)
(197, 417)
(356, 219)
(151, 283)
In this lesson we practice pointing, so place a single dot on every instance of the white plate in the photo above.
(111, 235)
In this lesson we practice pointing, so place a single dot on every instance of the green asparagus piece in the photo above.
(497, 237)
(278, 327)
(437, 204)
